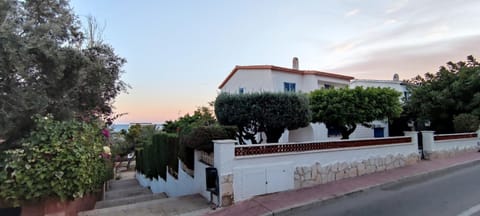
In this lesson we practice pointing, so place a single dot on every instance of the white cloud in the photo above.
(352, 12)
(409, 61)
(396, 6)
(390, 21)
(438, 32)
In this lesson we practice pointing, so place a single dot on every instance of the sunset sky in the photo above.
(178, 52)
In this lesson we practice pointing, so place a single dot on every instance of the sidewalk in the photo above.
(285, 202)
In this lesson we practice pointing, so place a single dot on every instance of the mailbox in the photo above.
(211, 176)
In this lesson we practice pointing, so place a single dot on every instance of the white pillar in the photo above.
(428, 143)
(413, 135)
(224, 153)
(223, 160)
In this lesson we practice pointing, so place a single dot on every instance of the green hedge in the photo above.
(166, 148)
(58, 159)
(152, 160)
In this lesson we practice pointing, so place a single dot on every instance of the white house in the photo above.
(395, 84)
(270, 78)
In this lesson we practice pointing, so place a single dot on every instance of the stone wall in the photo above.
(306, 176)
(226, 189)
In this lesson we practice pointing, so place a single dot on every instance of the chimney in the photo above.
(295, 63)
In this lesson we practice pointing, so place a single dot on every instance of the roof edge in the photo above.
(283, 69)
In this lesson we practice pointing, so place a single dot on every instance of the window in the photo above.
(241, 90)
(327, 86)
(289, 87)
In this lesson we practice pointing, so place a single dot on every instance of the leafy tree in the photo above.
(47, 68)
(453, 90)
(266, 112)
(202, 116)
(465, 123)
(344, 108)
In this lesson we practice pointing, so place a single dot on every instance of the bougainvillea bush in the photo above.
(59, 159)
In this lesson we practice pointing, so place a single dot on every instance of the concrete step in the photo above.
(123, 183)
(122, 193)
(129, 200)
(167, 206)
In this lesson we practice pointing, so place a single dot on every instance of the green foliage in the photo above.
(202, 116)
(140, 135)
(153, 158)
(344, 108)
(267, 112)
(45, 68)
(453, 90)
(119, 146)
(465, 123)
(139, 160)
(200, 138)
(58, 159)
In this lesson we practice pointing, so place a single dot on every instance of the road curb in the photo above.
(415, 177)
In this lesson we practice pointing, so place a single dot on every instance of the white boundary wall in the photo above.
(183, 185)
(277, 171)
(448, 145)
(241, 177)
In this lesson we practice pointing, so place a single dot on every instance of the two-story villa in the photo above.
(258, 78)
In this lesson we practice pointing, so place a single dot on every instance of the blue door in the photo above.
(378, 132)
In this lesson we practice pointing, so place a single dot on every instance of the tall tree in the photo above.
(266, 112)
(439, 97)
(44, 69)
(344, 108)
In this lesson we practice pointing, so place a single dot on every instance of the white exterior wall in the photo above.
(336, 83)
(456, 144)
(278, 79)
(396, 85)
(158, 185)
(200, 178)
(250, 80)
(142, 180)
(183, 185)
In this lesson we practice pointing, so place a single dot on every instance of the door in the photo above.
(378, 132)
(252, 181)
(279, 178)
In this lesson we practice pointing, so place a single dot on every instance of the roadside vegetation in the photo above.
(57, 85)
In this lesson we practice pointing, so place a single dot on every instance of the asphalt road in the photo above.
(454, 193)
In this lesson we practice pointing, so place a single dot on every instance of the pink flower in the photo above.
(106, 132)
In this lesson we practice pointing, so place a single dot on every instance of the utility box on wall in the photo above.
(211, 175)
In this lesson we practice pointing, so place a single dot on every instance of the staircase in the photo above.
(127, 197)
(123, 192)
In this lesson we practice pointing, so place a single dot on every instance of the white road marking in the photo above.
(471, 211)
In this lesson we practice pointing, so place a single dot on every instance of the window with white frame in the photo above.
(289, 87)
(241, 90)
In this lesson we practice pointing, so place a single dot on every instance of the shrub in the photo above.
(200, 138)
(267, 112)
(58, 159)
(465, 123)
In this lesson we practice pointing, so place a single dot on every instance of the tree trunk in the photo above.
(274, 134)
(346, 130)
